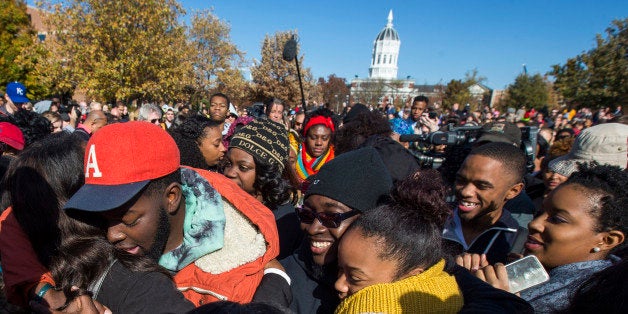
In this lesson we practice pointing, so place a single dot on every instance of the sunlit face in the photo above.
(323, 241)
(418, 107)
(98, 123)
(211, 146)
(169, 116)
(317, 140)
(276, 113)
(360, 264)
(154, 118)
(482, 187)
(141, 227)
(240, 168)
(298, 122)
(218, 108)
(565, 232)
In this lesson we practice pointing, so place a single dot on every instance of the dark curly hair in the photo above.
(608, 184)
(353, 133)
(34, 126)
(413, 219)
(270, 182)
(187, 137)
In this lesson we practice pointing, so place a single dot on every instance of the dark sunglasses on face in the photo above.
(329, 220)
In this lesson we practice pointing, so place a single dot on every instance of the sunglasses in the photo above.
(329, 220)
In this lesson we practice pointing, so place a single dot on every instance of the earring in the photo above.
(596, 249)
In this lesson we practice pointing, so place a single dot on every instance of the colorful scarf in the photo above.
(307, 166)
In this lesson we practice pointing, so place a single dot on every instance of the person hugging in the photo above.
(390, 259)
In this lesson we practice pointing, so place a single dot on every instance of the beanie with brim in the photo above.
(358, 179)
(120, 161)
(606, 144)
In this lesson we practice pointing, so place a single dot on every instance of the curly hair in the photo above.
(34, 126)
(413, 219)
(607, 185)
(269, 181)
(353, 133)
(188, 135)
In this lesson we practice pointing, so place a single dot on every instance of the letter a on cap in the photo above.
(92, 163)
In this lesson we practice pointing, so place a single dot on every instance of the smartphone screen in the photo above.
(525, 273)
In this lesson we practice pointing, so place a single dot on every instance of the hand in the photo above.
(472, 262)
(395, 136)
(496, 276)
(431, 124)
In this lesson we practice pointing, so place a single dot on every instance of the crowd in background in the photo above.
(273, 208)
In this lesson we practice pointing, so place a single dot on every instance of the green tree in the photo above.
(18, 49)
(598, 77)
(457, 91)
(215, 59)
(528, 91)
(120, 49)
(275, 77)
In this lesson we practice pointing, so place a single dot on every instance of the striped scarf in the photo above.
(307, 166)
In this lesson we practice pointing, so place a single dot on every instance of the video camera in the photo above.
(459, 141)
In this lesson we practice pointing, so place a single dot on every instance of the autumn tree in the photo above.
(216, 60)
(530, 91)
(120, 49)
(598, 77)
(19, 50)
(275, 77)
(457, 91)
(334, 91)
(369, 92)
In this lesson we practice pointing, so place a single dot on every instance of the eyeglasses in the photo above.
(154, 121)
(329, 220)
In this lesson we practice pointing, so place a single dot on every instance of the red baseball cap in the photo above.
(120, 160)
(11, 135)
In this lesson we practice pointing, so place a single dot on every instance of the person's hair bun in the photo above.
(423, 192)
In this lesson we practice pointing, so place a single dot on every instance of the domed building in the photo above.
(385, 52)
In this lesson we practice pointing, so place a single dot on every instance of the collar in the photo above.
(453, 227)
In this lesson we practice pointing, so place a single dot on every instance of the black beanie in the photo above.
(358, 179)
(264, 139)
(354, 112)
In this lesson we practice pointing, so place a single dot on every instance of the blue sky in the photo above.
(440, 40)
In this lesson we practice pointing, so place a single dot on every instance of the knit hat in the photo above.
(17, 92)
(432, 291)
(11, 135)
(358, 179)
(264, 139)
(605, 143)
(500, 132)
(120, 160)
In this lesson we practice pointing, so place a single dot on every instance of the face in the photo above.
(276, 113)
(169, 116)
(211, 146)
(57, 126)
(154, 118)
(360, 265)
(417, 109)
(323, 241)
(564, 233)
(482, 187)
(298, 122)
(317, 140)
(218, 108)
(98, 123)
(141, 227)
(553, 179)
(240, 168)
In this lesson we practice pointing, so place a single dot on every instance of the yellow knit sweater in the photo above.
(432, 291)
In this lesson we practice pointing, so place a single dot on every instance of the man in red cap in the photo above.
(216, 239)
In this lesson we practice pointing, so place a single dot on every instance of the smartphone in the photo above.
(525, 273)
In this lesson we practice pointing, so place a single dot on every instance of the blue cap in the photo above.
(17, 92)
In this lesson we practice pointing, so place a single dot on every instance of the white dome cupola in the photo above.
(385, 53)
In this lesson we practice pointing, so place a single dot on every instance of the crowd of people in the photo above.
(273, 209)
